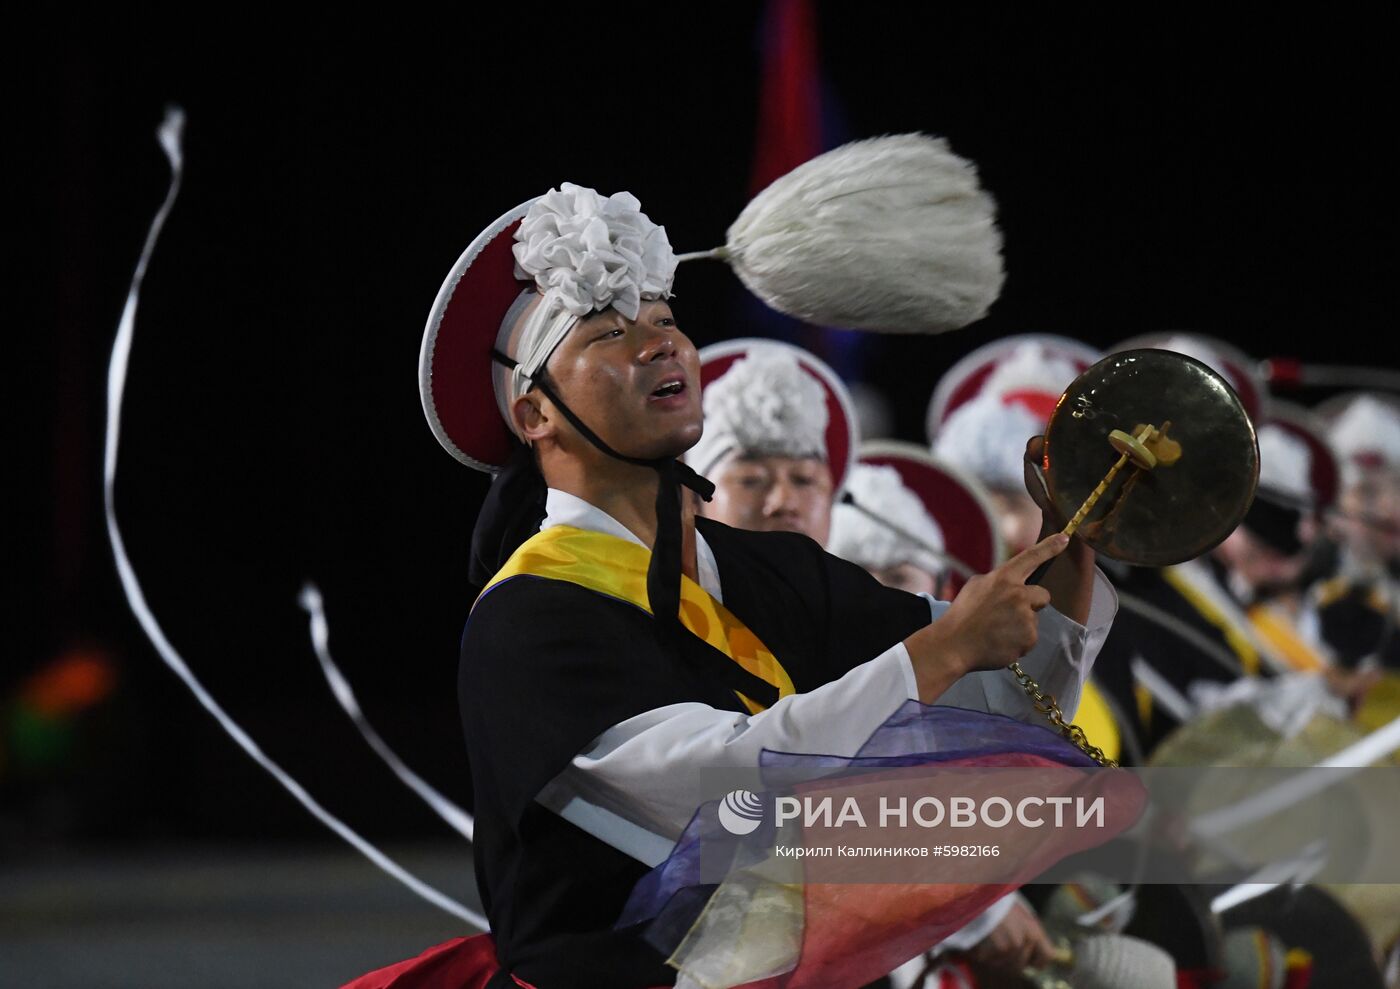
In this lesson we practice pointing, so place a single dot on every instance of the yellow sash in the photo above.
(1277, 630)
(1236, 638)
(1096, 718)
(618, 568)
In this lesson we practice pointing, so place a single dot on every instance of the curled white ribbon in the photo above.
(169, 133)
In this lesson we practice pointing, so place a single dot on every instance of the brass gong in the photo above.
(1184, 449)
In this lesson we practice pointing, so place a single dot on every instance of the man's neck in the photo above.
(628, 494)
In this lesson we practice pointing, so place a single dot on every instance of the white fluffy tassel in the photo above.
(891, 234)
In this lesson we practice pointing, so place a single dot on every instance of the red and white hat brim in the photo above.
(1324, 469)
(455, 367)
(963, 382)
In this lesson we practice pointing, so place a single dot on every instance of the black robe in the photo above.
(1177, 659)
(548, 666)
(1356, 621)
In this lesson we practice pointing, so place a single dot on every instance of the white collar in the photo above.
(562, 508)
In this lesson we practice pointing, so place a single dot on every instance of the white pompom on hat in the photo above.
(892, 233)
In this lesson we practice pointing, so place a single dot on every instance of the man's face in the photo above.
(1019, 518)
(636, 383)
(1370, 518)
(773, 493)
(1257, 566)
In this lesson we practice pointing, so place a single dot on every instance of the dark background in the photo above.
(1159, 171)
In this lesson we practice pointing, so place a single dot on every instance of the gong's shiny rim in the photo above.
(1169, 515)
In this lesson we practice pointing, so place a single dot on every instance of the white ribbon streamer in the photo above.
(455, 817)
(1295, 871)
(1295, 789)
(170, 133)
(1161, 690)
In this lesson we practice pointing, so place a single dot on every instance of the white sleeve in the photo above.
(1064, 654)
(635, 787)
(630, 788)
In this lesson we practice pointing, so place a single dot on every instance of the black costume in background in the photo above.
(548, 666)
(1356, 621)
(1178, 660)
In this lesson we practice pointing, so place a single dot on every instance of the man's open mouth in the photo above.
(669, 389)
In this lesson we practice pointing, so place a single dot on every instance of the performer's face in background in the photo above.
(908, 577)
(1369, 525)
(773, 493)
(1263, 570)
(636, 383)
(1019, 517)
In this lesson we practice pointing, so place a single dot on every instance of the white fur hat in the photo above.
(1298, 475)
(1365, 432)
(996, 398)
(987, 438)
(858, 537)
(767, 398)
(1285, 464)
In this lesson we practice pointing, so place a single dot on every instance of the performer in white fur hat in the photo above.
(1359, 609)
(1269, 562)
(620, 644)
(1364, 429)
(780, 436)
(988, 403)
(1298, 483)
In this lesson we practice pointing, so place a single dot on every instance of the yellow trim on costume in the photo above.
(1278, 633)
(1296, 959)
(1235, 637)
(1331, 590)
(618, 568)
(1096, 718)
(1143, 696)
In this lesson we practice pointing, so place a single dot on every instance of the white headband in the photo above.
(584, 254)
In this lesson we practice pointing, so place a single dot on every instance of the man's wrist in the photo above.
(937, 661)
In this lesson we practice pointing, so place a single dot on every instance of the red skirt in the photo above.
(462, 963)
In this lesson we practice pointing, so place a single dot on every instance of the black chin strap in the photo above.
(664, 571)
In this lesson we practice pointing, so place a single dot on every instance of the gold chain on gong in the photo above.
(1048, 706)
